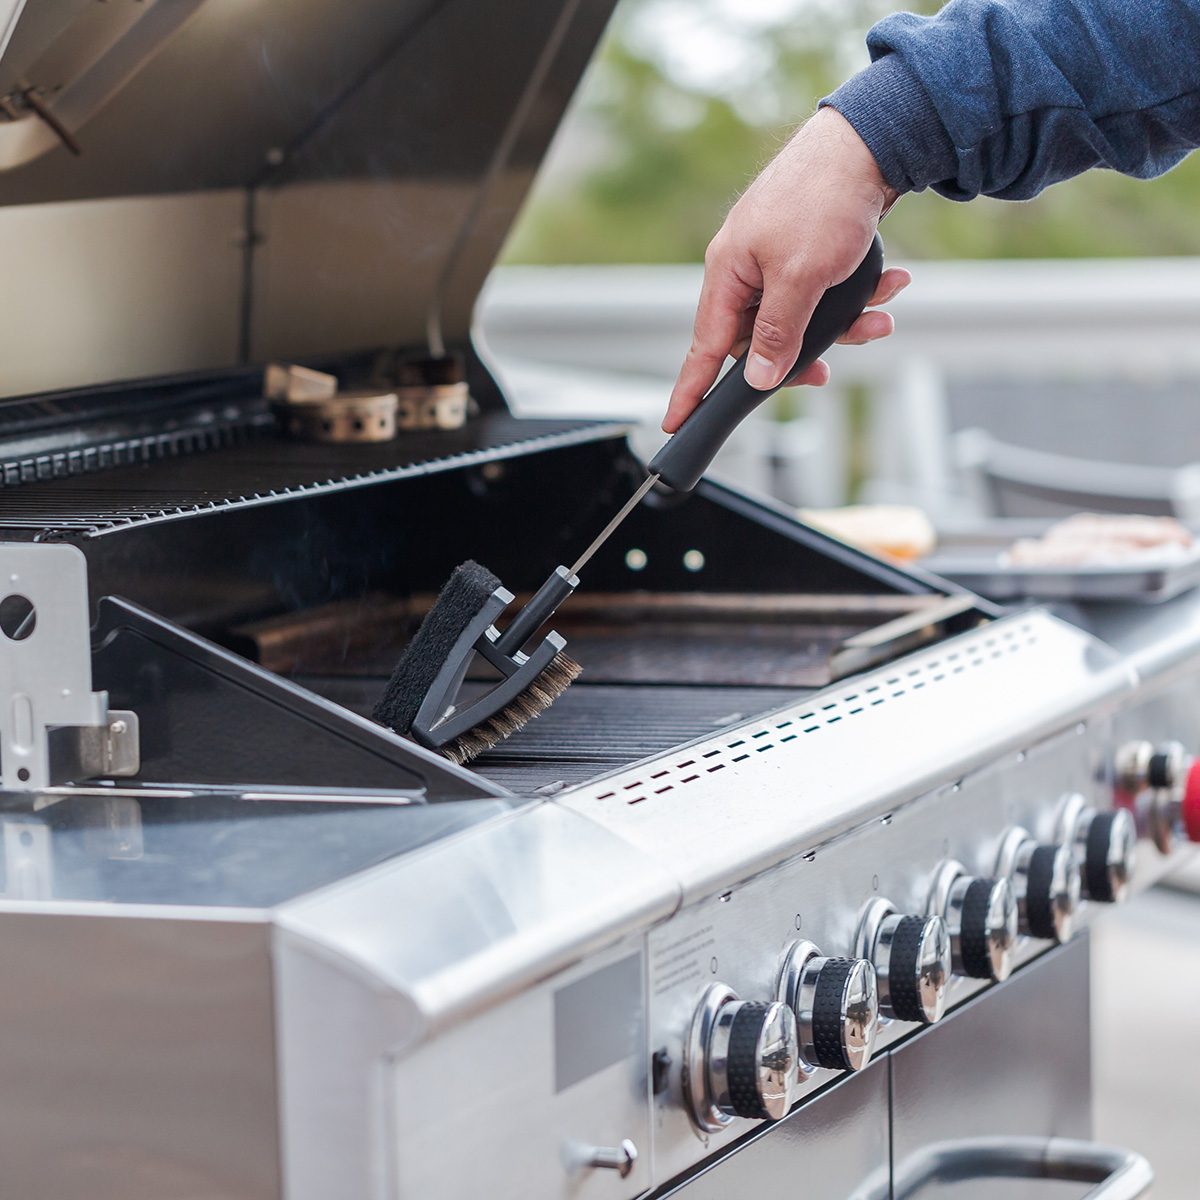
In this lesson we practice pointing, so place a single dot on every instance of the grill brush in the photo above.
(422, 698)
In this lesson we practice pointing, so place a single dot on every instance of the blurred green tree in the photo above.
(687, 99)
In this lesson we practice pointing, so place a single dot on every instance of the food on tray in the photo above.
(1102, 539)
(896, 530)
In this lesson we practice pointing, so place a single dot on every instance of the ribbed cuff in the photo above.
(893, 114)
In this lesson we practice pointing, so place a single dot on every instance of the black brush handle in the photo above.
(688, 454)
(541, 607)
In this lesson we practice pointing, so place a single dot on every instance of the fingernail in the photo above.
(760, 371)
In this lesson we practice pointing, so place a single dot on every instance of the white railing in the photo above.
(610, 339)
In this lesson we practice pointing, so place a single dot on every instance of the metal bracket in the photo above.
(53, 727)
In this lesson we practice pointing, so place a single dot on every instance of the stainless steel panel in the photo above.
(733, 805)
(138, 1061)
(117, 289)
(415, 963)
(494, 1082)
(826, 1150)
(480, 915)
(1016, 1060)
(1160, 641)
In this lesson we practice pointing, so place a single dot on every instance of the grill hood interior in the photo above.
(263, 178)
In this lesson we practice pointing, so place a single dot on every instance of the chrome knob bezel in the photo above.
(1075, 828)
(708, 1094)
(933, 967)
(1131, 766)
(947, 895)
(1064, 886)
(858, 1018)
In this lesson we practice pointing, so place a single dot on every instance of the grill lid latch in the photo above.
(53, 728)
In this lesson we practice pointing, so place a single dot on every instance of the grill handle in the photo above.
(688, 454)
(1118, 1174)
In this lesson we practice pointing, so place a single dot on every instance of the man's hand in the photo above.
(803, 225)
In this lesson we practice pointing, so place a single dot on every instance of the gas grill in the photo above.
(763, 897)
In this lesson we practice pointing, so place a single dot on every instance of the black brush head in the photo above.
(466, 592)
(561, 672)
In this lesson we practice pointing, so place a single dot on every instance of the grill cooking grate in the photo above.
(593, 728)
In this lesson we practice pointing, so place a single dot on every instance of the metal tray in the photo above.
(970, 555)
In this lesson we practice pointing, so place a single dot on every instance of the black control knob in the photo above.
(741, 1061)
(836, 1004)
(912, 961)
(762, 1058)
(981, 917)
(1106, 843)
(1045, 881)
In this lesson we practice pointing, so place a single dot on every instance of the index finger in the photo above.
(724, 297)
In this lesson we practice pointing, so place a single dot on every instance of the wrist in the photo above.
(854, 154)
(898, 122)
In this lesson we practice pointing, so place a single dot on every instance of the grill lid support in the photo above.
(53, 727)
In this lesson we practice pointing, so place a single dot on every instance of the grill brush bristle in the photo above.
(421, 699)
(545, 689)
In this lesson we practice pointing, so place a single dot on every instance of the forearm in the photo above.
(1004, 97)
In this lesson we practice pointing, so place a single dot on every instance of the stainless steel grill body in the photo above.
(451, 985)
(281, 953)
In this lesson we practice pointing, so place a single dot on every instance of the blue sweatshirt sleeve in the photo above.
(1005, 97)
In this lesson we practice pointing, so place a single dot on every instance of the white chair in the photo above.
(1011, 481)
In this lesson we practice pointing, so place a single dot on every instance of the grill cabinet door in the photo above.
(831, 1149)
(1015, 1061)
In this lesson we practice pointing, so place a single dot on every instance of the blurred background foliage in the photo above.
(689, 98)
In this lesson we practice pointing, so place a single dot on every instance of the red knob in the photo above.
(1191, 802)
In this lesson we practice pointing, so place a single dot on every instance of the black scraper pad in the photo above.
(462, 599)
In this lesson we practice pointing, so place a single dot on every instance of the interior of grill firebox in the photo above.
(659, 670)
(318, 563)
(702, 613)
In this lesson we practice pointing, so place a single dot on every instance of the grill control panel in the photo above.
(866, 939)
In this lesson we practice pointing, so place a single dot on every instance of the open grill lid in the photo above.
(196, 184)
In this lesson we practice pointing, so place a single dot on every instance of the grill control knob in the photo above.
(1140, 765)
(1105, 846)
(981, 917)
(911, 956)
(1045, 882)
(836, 1004)
(741, 1060)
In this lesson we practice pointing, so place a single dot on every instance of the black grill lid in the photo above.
(263, 178)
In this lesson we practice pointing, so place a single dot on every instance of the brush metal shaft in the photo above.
(609, 529)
